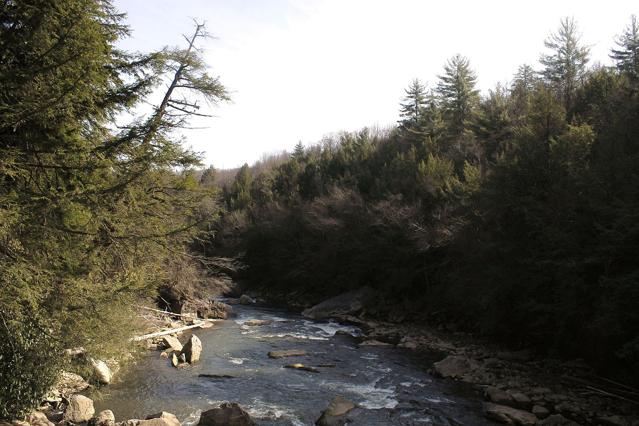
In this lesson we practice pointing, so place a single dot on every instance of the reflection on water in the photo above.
(390, 385)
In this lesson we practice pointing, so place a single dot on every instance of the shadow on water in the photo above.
(390, 386)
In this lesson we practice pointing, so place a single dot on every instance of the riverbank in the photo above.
(519, 387)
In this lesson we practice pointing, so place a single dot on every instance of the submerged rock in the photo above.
(257, 322)
(299, 366)
(79, 410)
(192, 349)
(334, 415)
(351, 303)
(227, 414)
(286, 353)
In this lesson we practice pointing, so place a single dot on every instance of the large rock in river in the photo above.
(227, 414)
(192, 349)
(335, 414)
(351, 303)
(79, 410)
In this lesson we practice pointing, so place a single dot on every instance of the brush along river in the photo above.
(390, 386)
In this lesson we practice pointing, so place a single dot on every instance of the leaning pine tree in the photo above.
(87, 214)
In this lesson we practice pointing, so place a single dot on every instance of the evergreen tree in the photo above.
(208, 176)
(627, 54)
(298, 151)
(411, 110)
(458, 95)
(565, 65)
(241, 188)
(87, 213)
(521, 90)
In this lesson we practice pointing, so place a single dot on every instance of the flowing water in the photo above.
(390, 386)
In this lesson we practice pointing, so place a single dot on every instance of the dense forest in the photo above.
(512, 213)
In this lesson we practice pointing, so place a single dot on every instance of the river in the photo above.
(390, 385)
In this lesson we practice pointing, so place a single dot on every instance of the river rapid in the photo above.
(389, 385)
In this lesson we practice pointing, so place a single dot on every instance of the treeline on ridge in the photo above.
(514, 214)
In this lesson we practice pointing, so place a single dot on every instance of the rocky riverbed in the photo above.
(332, 367)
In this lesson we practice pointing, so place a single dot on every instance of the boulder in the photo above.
(227, 414)
(246, 300)
(509, 415)
(454, 366)
(498, 396)
(286, 353)
(39, 419)
(540, 412)
(612, 421)
(351, 303)
(556, 420)
(174, 360)
(79, 410)
(104, 418)
(192, 349)
(214, 310)
(168, 418)
(101, 371)
(69, 383)
(334, 415)
(520, 400)
(171, 342)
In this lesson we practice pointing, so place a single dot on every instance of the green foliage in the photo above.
(627, 54)
(90, 215)
(29, 361)
(565, 65)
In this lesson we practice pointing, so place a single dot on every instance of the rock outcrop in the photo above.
(168, 419)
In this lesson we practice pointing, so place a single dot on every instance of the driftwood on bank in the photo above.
(165, 332)
(159, 311)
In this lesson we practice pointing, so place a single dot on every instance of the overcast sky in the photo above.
(300, 69)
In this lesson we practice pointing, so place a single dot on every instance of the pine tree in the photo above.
(521, 90)
(565, 65)
(458, 95)
(627, 54)
(87, 213)
(298, 151)
(411, 110)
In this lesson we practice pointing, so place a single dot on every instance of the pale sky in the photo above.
(300, 69)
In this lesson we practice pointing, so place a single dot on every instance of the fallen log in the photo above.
(159, 311)
(165, 332)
